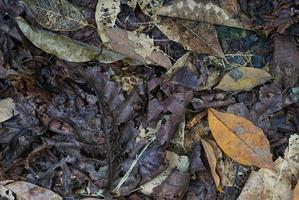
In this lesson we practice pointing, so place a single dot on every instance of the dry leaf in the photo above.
(225, 12)
(179, 137)
(7, 109)
(56, 15)
(212, 161)
(150, 7)
(138, 47)
(198, 37)
(243, 79)
(25, 190)
(296, 191)
(174, 161)
(240, 139)
(106, 12)
(64, 47)
(275, 185)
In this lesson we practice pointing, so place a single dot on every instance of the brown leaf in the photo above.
(276, 185)
(226, 12)
(212, 160)
(199, 37)
(25, 190)
(296, 192)
(138, 47)
(240, 139)
(174, 187)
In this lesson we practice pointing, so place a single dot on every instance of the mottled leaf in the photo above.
(225, 12)
(150, 7)
(64, 47)
(25, 190)
(57, 15)
(7, 109)
(136, 46)
(243, 79)
(195, 36)
(240, 139)
(106, 12)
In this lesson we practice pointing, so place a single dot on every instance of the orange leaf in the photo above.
(240, 139)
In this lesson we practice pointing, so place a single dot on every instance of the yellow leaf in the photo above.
(243, 79)
(240, 139)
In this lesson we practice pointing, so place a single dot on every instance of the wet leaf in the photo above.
(25, 190)
(198, 37)
(7, 109)
(243, 79)
(211, 11)
(211, 156)
(64, 47)
(139, 47)
(240, 139)
(106, 12)
(174, 161)
(266, 184)
(56, 15)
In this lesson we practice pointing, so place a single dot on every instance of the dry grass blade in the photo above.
(56, 15)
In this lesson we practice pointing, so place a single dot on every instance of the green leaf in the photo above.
(64, 47)
(56, 15)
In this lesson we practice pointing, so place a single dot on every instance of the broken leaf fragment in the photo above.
(106, 12)
(24, 190)
(240, 139)
(56, 15)
(64, 47)
(243, 79)
(7, 109)
(150, 7)
(195, 36)
(225, 12)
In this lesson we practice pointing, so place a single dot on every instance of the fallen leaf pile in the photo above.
(149, 99)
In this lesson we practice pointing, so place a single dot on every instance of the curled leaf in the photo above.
(56, 15)
(240, 139)
(243, 79)
(64, 47)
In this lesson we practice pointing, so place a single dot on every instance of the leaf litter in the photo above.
(148, 99)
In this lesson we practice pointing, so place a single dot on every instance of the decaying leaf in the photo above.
(7, 109)
(179, 137)
(174, 161)
(296, 192)
(25, 190)
(106, 12)
(56, 15)
(150, 7)
(64, 47)
(212, 160)
(138, 47)
(240, 139)
(198, 37)
(243, 79)
(211, 11)
(276, 185)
